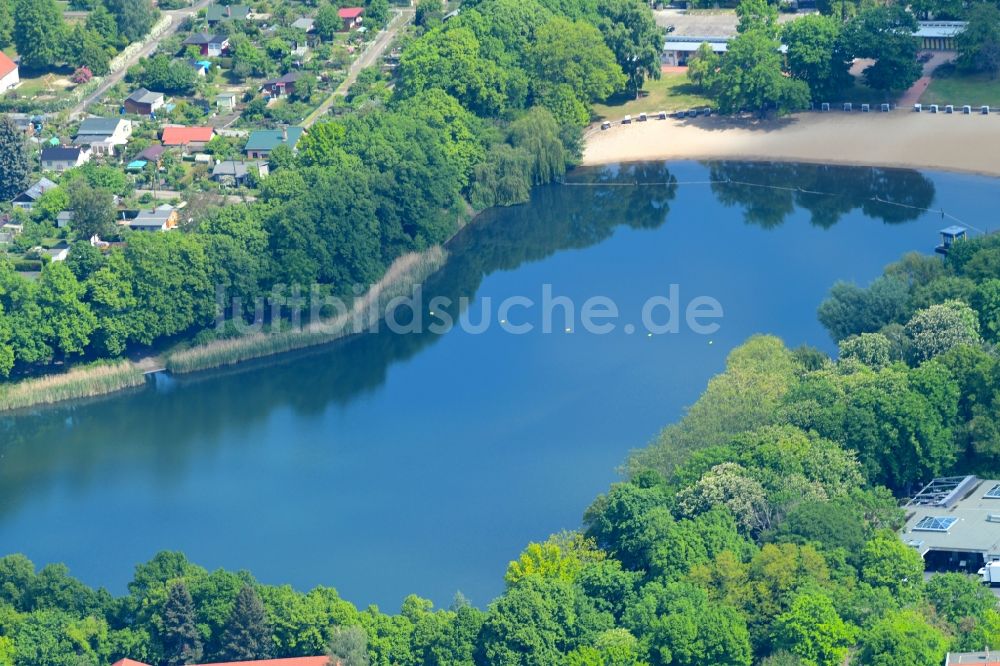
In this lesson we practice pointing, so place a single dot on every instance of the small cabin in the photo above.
(949, 237)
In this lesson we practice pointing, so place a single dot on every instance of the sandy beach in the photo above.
(901, 138)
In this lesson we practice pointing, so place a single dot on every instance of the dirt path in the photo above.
(917, 90)
(368, 58)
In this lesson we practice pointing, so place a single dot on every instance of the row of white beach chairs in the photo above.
(950, 108)
(918, 108)
(659, 115)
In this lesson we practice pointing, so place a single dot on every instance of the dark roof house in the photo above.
(208, 44)
(226, 13)
(28, 198)
(233, 172)
(60, 158)
(144, 102)
(283, 85)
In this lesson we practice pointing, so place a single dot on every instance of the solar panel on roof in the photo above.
(993, 493)
(935, 523)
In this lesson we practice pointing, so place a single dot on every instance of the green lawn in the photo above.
(671, 92)
(959, 89)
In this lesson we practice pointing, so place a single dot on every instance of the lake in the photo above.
(389, 464)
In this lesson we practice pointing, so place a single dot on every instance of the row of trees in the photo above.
(755, 76)
(44, 40)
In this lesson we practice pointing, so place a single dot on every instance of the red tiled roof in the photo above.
(350, 12)
(293, 661)
(6, 64)
(181, 136)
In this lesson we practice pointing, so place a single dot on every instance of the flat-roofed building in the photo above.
(954, 523)
(939, 35)
(990, 658)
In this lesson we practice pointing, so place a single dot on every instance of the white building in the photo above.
(103, 135)
(9, 75)
(954, 523)
(61, 158)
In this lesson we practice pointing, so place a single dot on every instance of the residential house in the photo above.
(103, 135)
(64, 219)
(57, 253)
(225, 102)
(142, 102)
(284, 85)
(26, 200)
(231, 172)
(9, 73)
(217, 14)
(288, 661)
(210, 45)
(161, 218)
(261, 142)
(351, 16)
(305, 24)
(30, 124)
(151, 154)
(189, 138)
(61, 158)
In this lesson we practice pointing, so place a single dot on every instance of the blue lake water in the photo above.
(388, 464)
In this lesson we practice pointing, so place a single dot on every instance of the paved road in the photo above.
(368, 58)
(177, 17)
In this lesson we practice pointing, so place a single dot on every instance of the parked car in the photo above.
(627, 120)
(605, 125)
(662, 115)
(642, 117)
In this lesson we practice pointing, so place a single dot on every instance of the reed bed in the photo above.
(83, 382)
(404, 273)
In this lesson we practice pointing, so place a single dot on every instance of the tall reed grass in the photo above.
(83, 382)
(404, 273)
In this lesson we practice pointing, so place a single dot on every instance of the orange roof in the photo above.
(6, 64)
(293, 661)
(181, 136)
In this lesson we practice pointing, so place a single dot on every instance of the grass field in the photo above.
(671, 92)
(959, 89)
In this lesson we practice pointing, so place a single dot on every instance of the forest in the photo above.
(484, 107)
(759, 529)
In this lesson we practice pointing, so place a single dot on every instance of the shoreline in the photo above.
(102, 379)
(898, 139)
